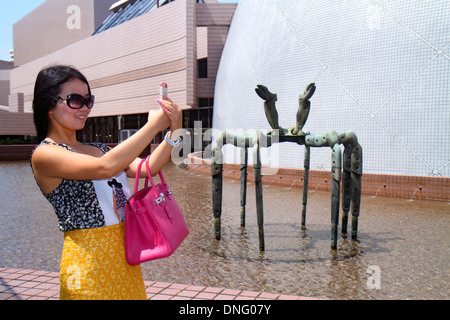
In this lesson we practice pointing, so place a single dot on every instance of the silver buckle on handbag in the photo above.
(160, 199)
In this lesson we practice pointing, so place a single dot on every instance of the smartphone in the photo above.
(163, 90)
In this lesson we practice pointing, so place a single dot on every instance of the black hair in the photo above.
(46, 90)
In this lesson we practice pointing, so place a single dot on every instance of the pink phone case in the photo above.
(163, 89)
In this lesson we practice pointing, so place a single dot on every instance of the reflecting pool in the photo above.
(405, 242)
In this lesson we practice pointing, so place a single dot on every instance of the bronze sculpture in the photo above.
(351, 174)
(303, 109)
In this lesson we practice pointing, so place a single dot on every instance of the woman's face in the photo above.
(62, 115)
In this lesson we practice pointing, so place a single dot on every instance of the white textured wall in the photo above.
(381, 69)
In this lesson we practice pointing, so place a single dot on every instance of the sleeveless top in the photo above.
(86, 204)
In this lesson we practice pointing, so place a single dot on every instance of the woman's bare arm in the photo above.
(53, 162)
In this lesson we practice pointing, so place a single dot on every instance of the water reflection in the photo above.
(407, 240)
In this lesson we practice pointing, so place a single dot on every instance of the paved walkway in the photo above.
(21, 284)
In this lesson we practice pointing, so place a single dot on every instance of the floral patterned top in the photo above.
(85, 204)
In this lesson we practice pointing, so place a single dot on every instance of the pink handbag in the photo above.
(154, 225)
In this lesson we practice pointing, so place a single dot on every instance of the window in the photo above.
(133, 121)
(100, 129)
(202, 68)
(203, 113)
(113, 129)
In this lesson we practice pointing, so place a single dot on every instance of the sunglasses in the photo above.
(76, 101)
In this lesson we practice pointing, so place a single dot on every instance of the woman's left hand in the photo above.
(173, 112)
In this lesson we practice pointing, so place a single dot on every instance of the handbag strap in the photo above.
(138, 174)
(149, 176)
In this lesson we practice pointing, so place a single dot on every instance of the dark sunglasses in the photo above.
(76, 101)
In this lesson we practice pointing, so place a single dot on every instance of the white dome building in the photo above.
(381, 69)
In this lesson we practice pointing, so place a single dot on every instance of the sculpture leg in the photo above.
(335, 193)
(216, 172)
(356, 182)
(259, 194)
(356, 179)
(305, 184)
(346, 187)
(244, 163)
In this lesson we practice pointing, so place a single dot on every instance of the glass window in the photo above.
(203, 113)
(202, 68)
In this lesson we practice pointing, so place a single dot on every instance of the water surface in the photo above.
(407, 240)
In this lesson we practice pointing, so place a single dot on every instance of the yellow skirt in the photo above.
(94, 267)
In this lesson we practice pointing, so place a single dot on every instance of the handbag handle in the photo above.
(149, 176)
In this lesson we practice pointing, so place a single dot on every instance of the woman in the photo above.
(87, 184)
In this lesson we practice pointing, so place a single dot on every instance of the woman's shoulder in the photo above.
(44, 145)
(45, 152)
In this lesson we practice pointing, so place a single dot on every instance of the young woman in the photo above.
(87, 184)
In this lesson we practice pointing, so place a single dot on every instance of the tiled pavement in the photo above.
(21, 284)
